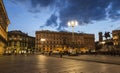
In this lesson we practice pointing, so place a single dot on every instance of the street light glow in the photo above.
(72, 23)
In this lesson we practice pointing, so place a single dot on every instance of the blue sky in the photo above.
(93, 16)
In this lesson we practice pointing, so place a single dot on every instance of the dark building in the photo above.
(100, 36)
(4, 21)
(31, 44)
(50, 40)
(19, 42)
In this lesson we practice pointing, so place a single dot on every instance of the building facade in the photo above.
(110, 46)
(19, 43)
(31, 44)
(100, 36)
(116, 39)
(4, 21)
(50, 40)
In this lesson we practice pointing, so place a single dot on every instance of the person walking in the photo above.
(50, 53)
(61, 54)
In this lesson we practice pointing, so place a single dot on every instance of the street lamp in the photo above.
(42, 40)
(72, 23)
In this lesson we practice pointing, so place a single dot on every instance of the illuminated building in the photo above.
(63, 41)
(116, 38)
(19, 42)
(4, 21)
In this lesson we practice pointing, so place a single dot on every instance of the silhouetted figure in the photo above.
(60, 54)
(107, 34)
(50, 53)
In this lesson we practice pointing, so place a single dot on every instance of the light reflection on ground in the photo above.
(44, 64)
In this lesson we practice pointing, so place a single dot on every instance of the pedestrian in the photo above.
(60, 54)
(50, 53)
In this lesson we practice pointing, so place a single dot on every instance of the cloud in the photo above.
(84, 11)
(19, 1)
(42, 3)
(52, 20)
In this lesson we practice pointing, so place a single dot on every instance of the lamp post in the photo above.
(72, 23)
(42, 40)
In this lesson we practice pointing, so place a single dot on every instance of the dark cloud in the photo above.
(42, 3)
(52, 20)
(35, 6)
(35, 3)
(84, 11)
(114, 14)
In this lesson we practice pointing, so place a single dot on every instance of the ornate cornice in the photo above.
(5, 13)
